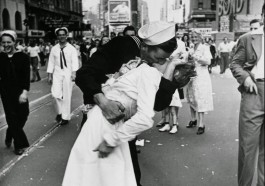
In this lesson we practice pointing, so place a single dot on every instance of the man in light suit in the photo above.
(248, 68)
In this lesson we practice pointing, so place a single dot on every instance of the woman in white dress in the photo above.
(199, 90)
(101, 155)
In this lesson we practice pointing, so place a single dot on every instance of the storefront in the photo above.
(235, 15)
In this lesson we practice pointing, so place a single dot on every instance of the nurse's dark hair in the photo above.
(168, 46)
(13, 39)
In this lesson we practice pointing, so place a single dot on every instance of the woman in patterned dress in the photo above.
(199, 90)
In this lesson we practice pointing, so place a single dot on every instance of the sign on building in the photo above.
(53, 24)
(119, 11)
(224, 23)
(226, 6)
(117, 28)
(36, 33)
(203, 31)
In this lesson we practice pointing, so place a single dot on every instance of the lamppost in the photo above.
(231, 17)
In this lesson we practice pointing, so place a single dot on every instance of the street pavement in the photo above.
(181, 159)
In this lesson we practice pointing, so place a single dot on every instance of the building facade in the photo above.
(46, 15)
(12, 16)
(172, 11)
(143, 15)
(39, 18)
(138, 16)
(235, 15)
(201, 15)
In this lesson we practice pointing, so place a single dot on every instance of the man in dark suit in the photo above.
(248, 68)
(119, 51)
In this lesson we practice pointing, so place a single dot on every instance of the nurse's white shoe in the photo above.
(165, 128)
(174, 129)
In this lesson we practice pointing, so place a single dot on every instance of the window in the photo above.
(73, 5)
(6, 19)
(18, 21)
(76, 6)
(80, 7)
(200, 4)
(213, 4)
(58, 3)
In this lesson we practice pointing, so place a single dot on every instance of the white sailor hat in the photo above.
(157, 32)
(62, 28)
(10, 33)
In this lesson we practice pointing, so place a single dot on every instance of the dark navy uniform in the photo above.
(14, 78)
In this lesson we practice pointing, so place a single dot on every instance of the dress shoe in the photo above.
(165, 128)
(38, 79)
(19, 151)
(162, 124)
(201, 130)
(58, 118)
(64, 122)
(32, 81)
(174, 129)
(192, 124)
(8, 143)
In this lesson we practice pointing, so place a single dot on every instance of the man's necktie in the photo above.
(62, 58)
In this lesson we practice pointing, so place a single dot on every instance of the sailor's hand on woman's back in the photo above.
(112, 110)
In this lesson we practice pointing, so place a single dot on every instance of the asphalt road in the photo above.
(182, 159)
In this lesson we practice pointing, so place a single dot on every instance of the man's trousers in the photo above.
(16, 117)
(224, 62)
(251, 137)
(62, 87)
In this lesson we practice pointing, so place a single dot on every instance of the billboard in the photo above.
(53, 24)
(119, 11)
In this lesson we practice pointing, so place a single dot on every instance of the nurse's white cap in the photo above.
(157, 32)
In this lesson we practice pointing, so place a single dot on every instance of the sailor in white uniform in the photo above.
(62, 67)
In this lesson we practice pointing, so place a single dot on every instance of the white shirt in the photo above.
(20, 48)
(92, 51)
(231, 45)
(54, 64)
(258, 69)
(141, 84)
(33, 51)
(181, 49)
(224, 47)
(46, 50)
(202, 53)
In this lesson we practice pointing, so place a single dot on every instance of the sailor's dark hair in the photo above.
(168, 46)
(131, 28)
(9, 35)
(254, 21)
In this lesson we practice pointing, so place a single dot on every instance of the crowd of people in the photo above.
(124, 80)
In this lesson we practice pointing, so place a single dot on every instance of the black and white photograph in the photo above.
(132, 92)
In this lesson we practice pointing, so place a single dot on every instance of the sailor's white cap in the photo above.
(62, 28)
(10, 33)
(157, 32)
